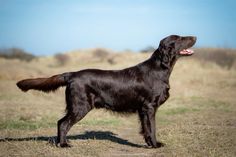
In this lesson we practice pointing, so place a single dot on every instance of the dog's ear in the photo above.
(164, 55)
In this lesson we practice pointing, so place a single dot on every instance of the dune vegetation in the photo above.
(199, 118)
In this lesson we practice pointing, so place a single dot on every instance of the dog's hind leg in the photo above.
(77, 108)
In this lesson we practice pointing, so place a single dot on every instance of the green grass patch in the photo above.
(211, 104)
(220, 105)
(26, 124)
(162, 120)
(179, 110)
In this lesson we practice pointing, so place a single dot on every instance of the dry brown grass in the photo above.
(198, 119)
(225, 58)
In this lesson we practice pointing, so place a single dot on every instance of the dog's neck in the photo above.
(156, 60)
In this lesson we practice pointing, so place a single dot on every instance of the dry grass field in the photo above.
(199, 118)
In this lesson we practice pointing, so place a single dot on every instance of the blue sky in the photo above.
(45, 27)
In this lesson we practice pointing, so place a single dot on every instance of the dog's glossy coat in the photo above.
(141, 88)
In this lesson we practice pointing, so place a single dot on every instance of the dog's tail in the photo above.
(45, 84)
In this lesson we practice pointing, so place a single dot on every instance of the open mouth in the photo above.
(186, 52)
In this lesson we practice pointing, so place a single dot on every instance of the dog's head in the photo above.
(173, 47)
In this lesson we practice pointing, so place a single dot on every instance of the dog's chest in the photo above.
(161, 94)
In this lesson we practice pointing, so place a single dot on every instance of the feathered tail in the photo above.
(44, 84)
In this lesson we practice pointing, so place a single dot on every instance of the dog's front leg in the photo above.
(148, 124)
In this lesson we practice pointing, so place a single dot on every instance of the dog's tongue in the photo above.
(186, 52)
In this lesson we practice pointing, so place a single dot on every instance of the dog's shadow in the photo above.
(97, 135)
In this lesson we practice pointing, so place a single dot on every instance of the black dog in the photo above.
(141, 88)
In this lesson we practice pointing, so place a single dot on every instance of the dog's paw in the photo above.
(157, 145)
(65, 145)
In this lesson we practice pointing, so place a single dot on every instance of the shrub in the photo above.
(62, 59)
(111, 60)
(148, 49)
(222, 57)
(16, 53)
(101, 54)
